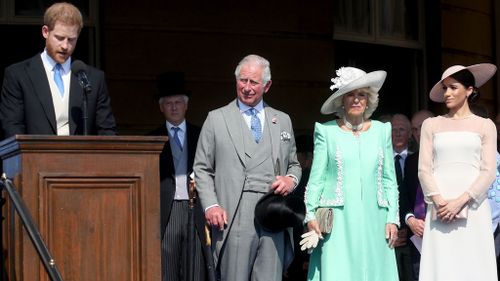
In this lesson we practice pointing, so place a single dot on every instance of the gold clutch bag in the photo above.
(324, 216)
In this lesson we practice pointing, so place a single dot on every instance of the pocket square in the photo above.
(285, 136)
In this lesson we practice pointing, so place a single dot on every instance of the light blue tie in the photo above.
(255, 125)
(58, 79)
(176, 137)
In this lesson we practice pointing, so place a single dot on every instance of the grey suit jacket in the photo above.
(219, 163)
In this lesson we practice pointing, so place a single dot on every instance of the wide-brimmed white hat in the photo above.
(482, 72)
(349, 79)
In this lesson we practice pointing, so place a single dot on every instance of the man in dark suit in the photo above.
(42, 96)
(414, 214)
(176, 164)
(401, 134)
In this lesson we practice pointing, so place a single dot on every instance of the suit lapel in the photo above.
(168, 157)
(75, 103)
(274, 129)
(232, 117)
(41, 87)
(167, 175)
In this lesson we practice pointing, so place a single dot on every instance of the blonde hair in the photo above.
(65, 13)
(370, 106)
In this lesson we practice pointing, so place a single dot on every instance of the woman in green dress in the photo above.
(353, 173)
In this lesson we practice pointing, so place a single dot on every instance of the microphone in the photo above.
(80, 69)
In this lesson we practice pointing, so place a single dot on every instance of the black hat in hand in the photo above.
(275, 212)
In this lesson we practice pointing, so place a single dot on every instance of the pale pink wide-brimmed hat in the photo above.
(482, 72)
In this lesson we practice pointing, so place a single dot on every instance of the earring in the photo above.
(367, 107)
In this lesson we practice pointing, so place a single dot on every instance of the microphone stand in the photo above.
(86, 91)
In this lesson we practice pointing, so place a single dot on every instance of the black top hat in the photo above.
(171, 84)
(275, 212)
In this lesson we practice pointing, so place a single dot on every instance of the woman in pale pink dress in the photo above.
(457, 165)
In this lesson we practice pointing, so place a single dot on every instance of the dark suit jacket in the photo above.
(410, 184)
(26, 105)
(167, 178)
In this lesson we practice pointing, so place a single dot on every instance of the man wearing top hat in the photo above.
(176, 162)
(246, 149)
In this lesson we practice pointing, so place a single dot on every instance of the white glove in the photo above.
(309, 241)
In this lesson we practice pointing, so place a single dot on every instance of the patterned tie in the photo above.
(58, 79)
(176, 137)
(399, 172)
(255, 125)
(419, 209)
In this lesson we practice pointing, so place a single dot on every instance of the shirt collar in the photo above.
(243, 107)
(51, 63)
(403, 153)
(181, 126)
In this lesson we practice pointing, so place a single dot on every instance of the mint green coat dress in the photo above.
(354, 175)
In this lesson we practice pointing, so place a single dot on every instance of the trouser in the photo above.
(403, 259)
(174, 246)
(250, 252)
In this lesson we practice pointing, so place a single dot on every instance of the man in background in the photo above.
(176, 164)
(412, 199)
(41, 95)
(401, 134)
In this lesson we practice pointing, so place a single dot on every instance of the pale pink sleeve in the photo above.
(425, 161)
(487, 173)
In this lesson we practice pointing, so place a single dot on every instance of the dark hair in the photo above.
(466, 78)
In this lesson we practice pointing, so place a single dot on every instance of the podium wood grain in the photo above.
(95, 200)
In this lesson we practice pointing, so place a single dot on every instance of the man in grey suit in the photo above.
(245, 150)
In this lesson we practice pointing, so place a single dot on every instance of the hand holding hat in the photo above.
(275, 212)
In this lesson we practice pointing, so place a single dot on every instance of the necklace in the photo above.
(352, 127)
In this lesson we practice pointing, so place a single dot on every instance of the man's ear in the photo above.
(267, 86)
(45, 31)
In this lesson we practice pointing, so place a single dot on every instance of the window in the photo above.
(37, 8)
(388, 22)
(21, 22)
(31, 11)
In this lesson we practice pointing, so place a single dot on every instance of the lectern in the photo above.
(95, 200)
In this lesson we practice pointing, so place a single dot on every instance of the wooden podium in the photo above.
(95, 200)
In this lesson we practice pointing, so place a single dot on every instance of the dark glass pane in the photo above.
(38, 7)
(399, 19)
(353, 16)
(399, 64)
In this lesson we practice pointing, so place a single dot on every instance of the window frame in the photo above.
(90, 22)
(376, 38)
